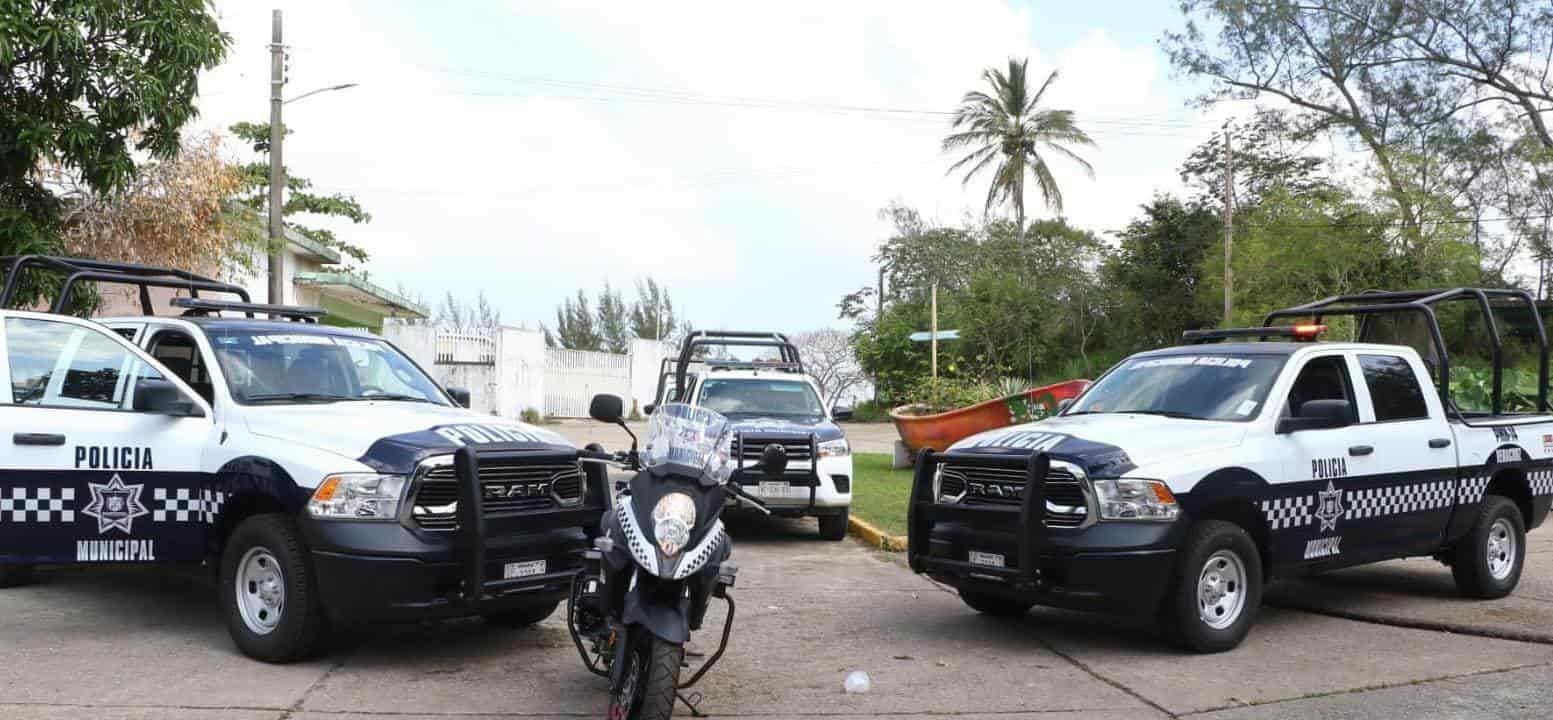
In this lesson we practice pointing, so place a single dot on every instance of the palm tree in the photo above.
(1005, 125)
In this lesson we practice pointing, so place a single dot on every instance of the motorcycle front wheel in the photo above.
(645, 686)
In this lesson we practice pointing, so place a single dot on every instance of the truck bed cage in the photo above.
(787, 351)
(1371, 303)
(200, 307)
(77, 270)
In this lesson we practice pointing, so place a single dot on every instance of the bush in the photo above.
(532, 416)
(869, 411)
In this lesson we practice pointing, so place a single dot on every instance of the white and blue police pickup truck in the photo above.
(770, 401)
(1186, 478)
(321, 474)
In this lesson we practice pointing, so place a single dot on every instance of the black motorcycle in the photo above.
(661, 557)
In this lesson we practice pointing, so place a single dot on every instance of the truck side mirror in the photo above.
(155, 395)
(1063, 405)
(841, 412)
(648, 408)
(1318, 415)
(460, 396)
(607, 408)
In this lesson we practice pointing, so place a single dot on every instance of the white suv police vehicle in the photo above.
(323, 474)
(1185, 478)
(770, 402)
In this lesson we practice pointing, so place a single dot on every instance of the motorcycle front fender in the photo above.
(668, 620)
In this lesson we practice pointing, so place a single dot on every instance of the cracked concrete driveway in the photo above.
(148, 643)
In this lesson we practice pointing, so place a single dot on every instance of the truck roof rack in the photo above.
(1372, 303)
(788, 359)
(77, 270)
(200, 307)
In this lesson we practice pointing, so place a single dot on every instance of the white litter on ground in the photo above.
(857, 682)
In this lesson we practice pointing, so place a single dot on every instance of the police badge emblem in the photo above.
(1329, 507)
(115, 505)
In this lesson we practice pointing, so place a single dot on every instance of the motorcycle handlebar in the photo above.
(739, 490)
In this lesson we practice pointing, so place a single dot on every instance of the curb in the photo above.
(875, 537)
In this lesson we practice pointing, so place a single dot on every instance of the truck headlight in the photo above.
(672, 519)
(1130, 499)
(357, 496)
(835, 448)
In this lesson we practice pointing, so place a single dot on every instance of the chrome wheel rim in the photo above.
(261, 591)
(1221, 590)
(1501, 549)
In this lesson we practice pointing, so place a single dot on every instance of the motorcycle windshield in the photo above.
(694, 440)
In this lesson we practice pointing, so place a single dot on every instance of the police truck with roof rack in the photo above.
(1186, 478)
(769, 401)
(319, 471)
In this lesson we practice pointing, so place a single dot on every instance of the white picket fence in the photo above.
(465, 349)
(573, 377)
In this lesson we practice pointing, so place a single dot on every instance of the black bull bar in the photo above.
(477, 531)
(1026, 522)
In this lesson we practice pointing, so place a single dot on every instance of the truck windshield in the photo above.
(288, 367)
(775, 398)
(1198, 387)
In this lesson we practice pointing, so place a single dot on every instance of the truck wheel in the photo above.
(833, 527)
(1487, 562)
(268, 592)
(15, 575)
(995, 605)
(522, 617)
(1217, 589)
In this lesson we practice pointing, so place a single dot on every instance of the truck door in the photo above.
(1322, 467)
(84, 476)
(1413, 448)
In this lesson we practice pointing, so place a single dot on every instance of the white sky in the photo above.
(529, 148)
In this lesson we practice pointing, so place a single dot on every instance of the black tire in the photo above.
(15, 575)
(1236, 573)
(522, 617)
(651, 695)
(271, 542)
(995, 605)
(834, 527)
(1477, 575)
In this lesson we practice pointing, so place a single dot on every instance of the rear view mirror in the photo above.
(1318, 415)
(155, 395)
(460, 396)
(607, 408)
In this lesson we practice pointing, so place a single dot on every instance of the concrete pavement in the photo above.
(148, 643)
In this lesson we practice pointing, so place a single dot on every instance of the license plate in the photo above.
(987, 559)
(523, 569)
(781, 490)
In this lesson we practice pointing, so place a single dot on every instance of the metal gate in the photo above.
(573, 377)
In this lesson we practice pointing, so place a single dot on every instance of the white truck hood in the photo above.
(1110, 444)
(349, 429)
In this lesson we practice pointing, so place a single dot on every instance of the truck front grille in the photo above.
(508, 487)
(1066, 503)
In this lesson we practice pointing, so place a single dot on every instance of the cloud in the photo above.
(531, 148)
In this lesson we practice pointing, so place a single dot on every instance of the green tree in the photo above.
(576, 326)
(652, 315)
(255, 193)
(1005, 125)
(86, 84)
(1157, 271)
(614, 321)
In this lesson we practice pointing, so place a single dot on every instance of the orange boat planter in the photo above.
(940, 430)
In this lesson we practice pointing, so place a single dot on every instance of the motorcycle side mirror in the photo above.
(607, 408)
(773, 460)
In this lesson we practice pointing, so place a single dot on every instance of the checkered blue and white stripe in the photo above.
(1289, 512)
(182, 506)
(43, 504)
(1397, 499)
(1471, 490)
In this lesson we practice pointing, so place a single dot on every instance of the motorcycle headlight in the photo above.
(835, 448)
(357, 496)
(1130, 499)
(672, 519)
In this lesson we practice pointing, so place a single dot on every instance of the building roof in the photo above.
(357, 290)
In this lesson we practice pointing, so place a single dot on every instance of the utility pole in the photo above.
(933, 310)
(277, 165)
(1229, 224)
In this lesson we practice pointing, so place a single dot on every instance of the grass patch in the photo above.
(879, 494)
